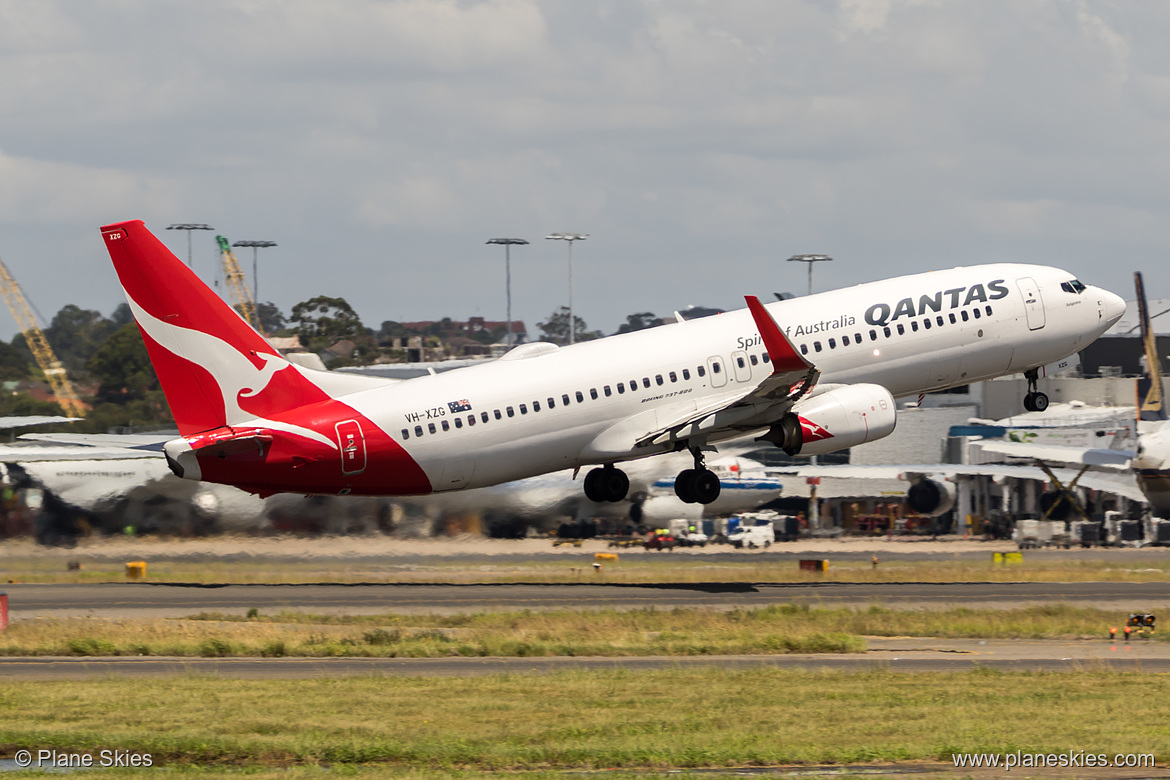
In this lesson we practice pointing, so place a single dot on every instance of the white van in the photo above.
(752, 536)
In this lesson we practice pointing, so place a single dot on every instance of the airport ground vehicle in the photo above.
(752, 536)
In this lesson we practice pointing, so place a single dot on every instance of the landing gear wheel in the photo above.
(614, 483)
(593, 486)
(1034, 401)
(606, 484)
(706, 486)
(684, 486)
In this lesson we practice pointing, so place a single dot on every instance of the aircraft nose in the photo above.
(1112, 307)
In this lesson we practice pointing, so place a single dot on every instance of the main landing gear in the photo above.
(1034, 401)
(698, 485)
(606, 484)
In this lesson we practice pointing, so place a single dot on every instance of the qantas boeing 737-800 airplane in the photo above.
(813, 375)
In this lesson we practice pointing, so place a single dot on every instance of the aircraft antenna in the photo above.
(238, 283)
(39, 346)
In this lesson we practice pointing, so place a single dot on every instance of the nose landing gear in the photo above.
(698, 485)
(1034, 401)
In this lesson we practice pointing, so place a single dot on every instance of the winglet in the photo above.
(783, 355)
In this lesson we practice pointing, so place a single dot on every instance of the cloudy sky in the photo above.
(380, 143)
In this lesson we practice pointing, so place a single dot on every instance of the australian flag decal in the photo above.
(459, 406)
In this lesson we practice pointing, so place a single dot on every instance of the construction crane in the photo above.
(239, 284)
(35, 338)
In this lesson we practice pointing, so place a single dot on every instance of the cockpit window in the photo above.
(1074, 287)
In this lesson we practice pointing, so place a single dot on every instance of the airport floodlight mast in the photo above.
(189, 226)
(810, 259)
(570, 237)
(256, 246)
(508, 243)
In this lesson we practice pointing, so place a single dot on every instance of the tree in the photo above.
(640, 321)
(556, 328)
(74, 334)
(122, 367)
(271, 318)
(13, 364)
(324, 321)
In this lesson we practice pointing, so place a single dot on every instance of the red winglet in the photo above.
(783, 355)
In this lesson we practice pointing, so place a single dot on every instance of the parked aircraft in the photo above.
(248, 417)
(1151, 459)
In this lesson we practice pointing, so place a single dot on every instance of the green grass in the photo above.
(684, 718)
(676, 632)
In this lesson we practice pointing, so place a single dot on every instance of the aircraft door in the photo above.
(1033, 304)
(353, 447)
(741, 367)
(456, 475)
(717, 371)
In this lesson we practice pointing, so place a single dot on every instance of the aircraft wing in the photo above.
(35, 452)
(151, 443)
(39, 419)
(1089, 456)
(1120, 484)
(791, 379)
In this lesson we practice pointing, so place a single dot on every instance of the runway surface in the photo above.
(28, 601)
(894, 654)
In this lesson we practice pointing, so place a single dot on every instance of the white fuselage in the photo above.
(995, 320)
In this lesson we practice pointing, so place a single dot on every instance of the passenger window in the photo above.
(470, 420)
(886, 331)
(564, 399)
(510, 412)
(952, 316)
(418, 430)
(536, 406)
(914, 325)
(804, 349)
(458, 422)
(857, 337)
(405, 434)
(431, 427)
(446, 425)
(686, 373)
(988, 310)
(673, 376)
(832, 343)
(940, 320)
(844, 341)
(715, 368)
(523, 409)
(607, 391)
(593, 393)
(817, 346)
(768, 358)
(739, 360)
(621, 387)
(658, 379)
(976, 313)
(901, 329)
(646, 382)
(483, 416)
(633, 385)
(552, 402)
(873, 335)
(755, 360)
(702, 372)
(963, 314)
(926, 323)
(580, 397)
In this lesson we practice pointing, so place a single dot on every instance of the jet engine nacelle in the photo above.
(930, 497)
(835, 420)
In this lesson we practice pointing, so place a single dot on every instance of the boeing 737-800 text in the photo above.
(813, 375)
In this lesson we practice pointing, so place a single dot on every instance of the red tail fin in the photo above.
(210, 362)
